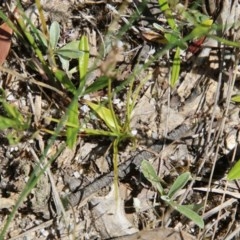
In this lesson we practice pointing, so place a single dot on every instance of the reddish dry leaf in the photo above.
(196, 45)
(5, 41)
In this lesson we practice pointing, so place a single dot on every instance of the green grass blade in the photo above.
(27, 33)
(13, 112)
(175, 68)
(83, 62)
(168, 13)
(72, 132)
(84, 58)
(8, 123)
(179, 183)
(225, 41)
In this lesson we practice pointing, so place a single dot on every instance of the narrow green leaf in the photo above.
(168, 13)
(64, 80)
(54, 34)
(13, 112)
(105, 114)
(151, 175)
(8, 123)
(175, 68)
(84, 58)
(234, 173)
(99, 84)
(98, 132)
(179, 183)
(83, 62)
(165, 198)
(236, 98)
(65, 63)
(42, 38)
(186, 211)
(72, 132)
(225, 41)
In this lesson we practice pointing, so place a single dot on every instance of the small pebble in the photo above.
(44, 232)
(76, 174)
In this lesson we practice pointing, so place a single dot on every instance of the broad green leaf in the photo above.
(179, 183)
(151, 175)
(195, 207)
(70, 50)
(65, 63)
(72, 132)
(99, 84)
(72, 45)
(69, 53)
(64, 80)
(186, 211)
(84, 58)
(54, 34)
(236, 98)
(175, 68)
(234, 173)
(106, 115)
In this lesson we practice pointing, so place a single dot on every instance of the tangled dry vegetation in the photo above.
(192, 126)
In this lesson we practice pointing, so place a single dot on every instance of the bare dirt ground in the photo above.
(193, 128)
